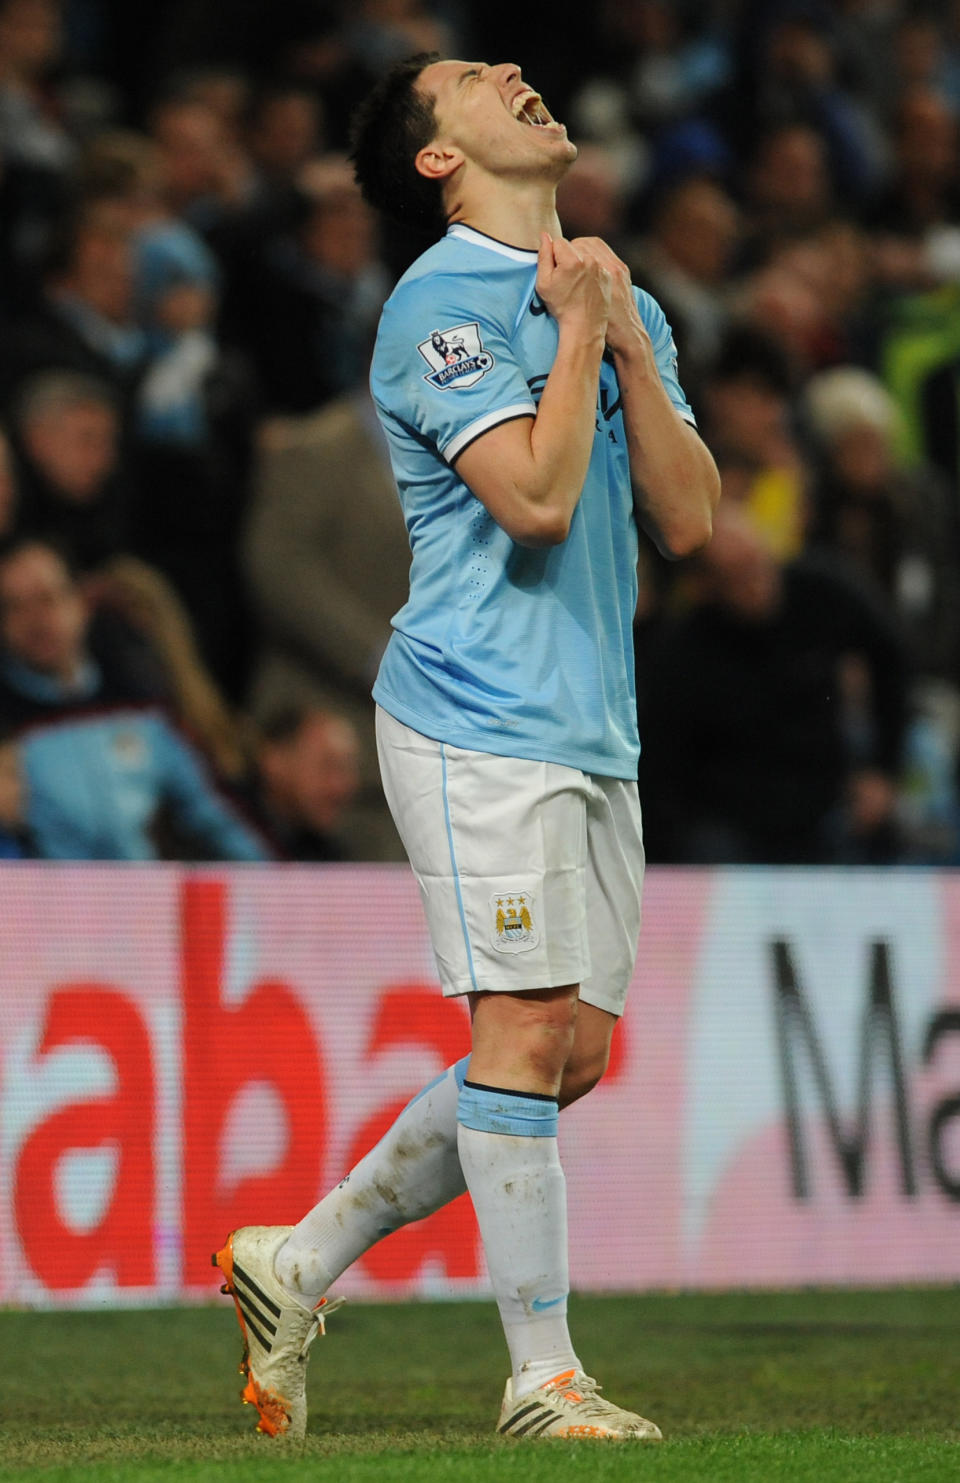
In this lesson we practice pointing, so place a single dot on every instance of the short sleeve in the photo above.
(665, 352)
(444, 364)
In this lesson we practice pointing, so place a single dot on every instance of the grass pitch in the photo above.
(751, 1388)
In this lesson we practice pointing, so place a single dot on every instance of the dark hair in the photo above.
(13, 546)
(752, 355)
(283, 724)
(58, 391)
(388, 129)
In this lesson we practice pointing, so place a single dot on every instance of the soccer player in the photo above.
(530, 399)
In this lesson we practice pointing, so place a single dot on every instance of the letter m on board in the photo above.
(879, 1036)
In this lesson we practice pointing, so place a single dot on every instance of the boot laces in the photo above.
(318, 1322)
(591, 1403)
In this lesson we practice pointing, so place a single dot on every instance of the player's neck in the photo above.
(515, 214)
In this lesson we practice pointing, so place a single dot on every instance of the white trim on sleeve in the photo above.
(484, 424)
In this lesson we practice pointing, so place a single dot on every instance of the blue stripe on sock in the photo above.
(459, 1069)
(428, 1088)
(453, 865)
(507, 1112)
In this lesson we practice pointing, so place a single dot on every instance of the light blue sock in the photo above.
(382, 1192)
(508, 1153)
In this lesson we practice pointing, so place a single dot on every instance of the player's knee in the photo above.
(526, 1036)
(582, 1074)
(545, 1029)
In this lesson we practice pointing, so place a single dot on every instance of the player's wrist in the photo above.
(632, 350)
(581, 330)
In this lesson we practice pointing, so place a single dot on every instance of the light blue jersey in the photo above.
(503, 648)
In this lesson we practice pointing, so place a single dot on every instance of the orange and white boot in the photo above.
(570, 1406)
(277, 1330)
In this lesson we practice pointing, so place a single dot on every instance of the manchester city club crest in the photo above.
(456, 356)
(514, 921)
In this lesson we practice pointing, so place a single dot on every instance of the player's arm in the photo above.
(529, 473)
(676, 486)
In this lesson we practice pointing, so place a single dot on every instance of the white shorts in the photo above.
(530, 872)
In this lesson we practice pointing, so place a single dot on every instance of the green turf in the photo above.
(748, 1388)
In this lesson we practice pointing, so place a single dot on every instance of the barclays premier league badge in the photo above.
(457, 356)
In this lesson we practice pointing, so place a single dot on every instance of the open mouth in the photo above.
(529, 108)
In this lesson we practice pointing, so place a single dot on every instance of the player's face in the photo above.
(495, 118)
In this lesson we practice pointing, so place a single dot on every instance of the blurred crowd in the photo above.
(200, 543)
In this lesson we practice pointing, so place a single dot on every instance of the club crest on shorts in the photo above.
(515, 928)
(456, 355)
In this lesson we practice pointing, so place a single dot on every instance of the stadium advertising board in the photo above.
(182, 1051)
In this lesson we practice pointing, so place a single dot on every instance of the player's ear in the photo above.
(436, 161)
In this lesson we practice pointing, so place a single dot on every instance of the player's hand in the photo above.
(625, 329)
(574, 286)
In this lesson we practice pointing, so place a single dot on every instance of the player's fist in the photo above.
(573, 285)
(625, 328)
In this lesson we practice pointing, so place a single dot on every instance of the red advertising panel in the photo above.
(186, 1050)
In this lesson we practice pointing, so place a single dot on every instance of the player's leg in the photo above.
(613, 891)
(612, 886)
(412, 1171)
(509, 1155)
(590, 1056)
(503, 889)
(293, 1268)
(278, 1276)
(511, 1164)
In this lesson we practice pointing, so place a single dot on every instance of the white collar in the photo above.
(480, 239)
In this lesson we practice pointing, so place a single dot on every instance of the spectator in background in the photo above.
(195, 405)
(225, 90)
(195, 410)
(792, 71)
(326, 557)
(102, 768)
(31, 37)
(284, 132)
(84, 320)
(772, 714)
(810, 295)
(15, 843)
(674, 65)
(789, 191)
(307, 312)
(206, 174)
(897, 527)
(35, 146)
(134, 601)
(72, 490)
(381, 32)
(685, 261)
(308, 776)
(747, 423)
(916, 219)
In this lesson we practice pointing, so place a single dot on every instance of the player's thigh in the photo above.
(615, 868)
(499, 849)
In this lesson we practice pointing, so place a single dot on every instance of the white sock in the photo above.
(509, 1157)
(410, 1173)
